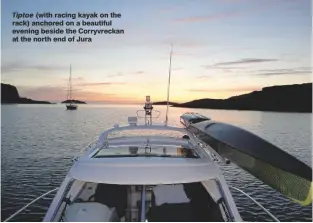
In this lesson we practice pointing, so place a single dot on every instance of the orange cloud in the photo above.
(23, 66)
(246, 61)
(99, 84)
(58, 94)
(203, 77)
(124, 74)
(116, 75)
(139, 72)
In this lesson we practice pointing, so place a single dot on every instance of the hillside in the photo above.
(285, 98)
(165, 103)
(10, 95)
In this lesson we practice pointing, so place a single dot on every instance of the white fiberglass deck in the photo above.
(145, 156)
(144, 170)
(145, 159)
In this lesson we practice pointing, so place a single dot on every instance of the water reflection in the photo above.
(39, 142)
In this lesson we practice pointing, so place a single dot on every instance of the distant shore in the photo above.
(284, 98)
(165, 103)
(10, 95)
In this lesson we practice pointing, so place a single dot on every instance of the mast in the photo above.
(169, 83)
(68, 89)
(71, 83)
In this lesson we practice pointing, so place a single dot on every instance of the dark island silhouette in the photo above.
(165, 103)
(10, 95)
(285, 98)
(73, 102)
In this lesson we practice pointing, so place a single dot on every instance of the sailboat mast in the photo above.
(71, 82)
(169, 83)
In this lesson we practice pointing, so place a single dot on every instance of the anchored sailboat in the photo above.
(70, 105)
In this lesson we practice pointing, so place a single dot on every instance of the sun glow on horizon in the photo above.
(221, 54)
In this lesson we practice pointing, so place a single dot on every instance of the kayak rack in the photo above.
(257, 203)
(30, 203)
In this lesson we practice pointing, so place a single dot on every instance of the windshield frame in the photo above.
(141, 150)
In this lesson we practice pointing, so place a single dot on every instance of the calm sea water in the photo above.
(39, 141)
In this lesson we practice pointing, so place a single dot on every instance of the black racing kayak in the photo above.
(265, 161)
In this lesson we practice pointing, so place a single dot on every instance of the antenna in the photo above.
(168, 86)
(71, 82)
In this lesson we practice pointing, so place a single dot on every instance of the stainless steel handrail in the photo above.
(156, 111)
(30, 203)
(143, 204)
(228, 210)
(84, 149)
(257, 203)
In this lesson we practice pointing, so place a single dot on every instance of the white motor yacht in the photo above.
(157, 172)
(152, 172)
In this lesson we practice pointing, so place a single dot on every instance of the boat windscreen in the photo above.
(147, 132)
(146, 151)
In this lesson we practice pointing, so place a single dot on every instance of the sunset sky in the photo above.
(221, 48)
